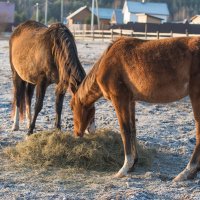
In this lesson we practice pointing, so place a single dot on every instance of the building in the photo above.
(83, 16)
(145, 18)
(117, 17)
(195, 19)
(104, 14)
(80, 16)
(132, 9)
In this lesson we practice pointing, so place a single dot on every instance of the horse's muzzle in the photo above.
(91, 128)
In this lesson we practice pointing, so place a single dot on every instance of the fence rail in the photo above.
(112, 34)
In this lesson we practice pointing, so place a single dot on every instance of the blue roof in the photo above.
(104, 13)
(119, 16)
(148, 7)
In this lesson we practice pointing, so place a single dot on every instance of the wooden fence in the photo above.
(141, 30)
(112, 34)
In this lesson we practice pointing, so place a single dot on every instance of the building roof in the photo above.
(77, 12)
(148, 7)
(7, 12)
(194, 17)
(104, 13)
(118, 16)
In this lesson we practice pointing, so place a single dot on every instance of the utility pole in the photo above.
(97, 14)
(46, 11)
(37, 12)
(61, 15)
(97, 11)
(92, 17)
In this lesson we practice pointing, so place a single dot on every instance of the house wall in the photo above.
(134, 17)
(147, 19)
(80, 18)
(153, 20)
(127, 15)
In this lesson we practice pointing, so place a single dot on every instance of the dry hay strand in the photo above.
(102, 151)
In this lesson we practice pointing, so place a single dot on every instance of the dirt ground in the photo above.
(167, 128)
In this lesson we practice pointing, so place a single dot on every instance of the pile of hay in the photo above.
(101, 151)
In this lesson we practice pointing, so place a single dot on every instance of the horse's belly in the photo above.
(161, 93)
(27, 73)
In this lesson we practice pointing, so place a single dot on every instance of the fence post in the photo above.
(84, 34)
(158, 35)
(171, 33)
(145, 29)
(132, 33)
(121, 32)
(186, 32)
(102, 34)
(112, 34)
(93, 34)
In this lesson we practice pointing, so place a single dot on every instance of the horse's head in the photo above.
(83, 117)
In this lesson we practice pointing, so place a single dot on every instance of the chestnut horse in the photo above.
(130, 70)
(40, 56)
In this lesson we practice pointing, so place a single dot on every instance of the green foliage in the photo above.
(25, 9)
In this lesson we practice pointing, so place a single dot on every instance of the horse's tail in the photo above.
(19, 88)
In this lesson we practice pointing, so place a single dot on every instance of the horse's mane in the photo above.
(89, 86)
(65, 53)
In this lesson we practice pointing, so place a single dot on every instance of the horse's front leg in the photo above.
(122, 107)
(193, 166)
(60, 93)
(40, 93)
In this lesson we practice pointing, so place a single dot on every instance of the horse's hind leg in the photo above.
(122, 106)
(29, 94)
(18, 102)
(60, 93)
(193, 166)
(133, 131)
(40, 93)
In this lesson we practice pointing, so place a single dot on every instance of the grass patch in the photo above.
(102, 151)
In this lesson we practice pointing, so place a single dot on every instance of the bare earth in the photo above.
(167, 128)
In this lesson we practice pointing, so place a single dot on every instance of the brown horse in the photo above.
(40, 56)
(133, 70)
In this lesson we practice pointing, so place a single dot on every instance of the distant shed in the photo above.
(145, 18)
(80, 16)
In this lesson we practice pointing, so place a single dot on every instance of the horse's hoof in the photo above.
(119, 175)
(185, 175)
(30, 132)
(15, 128)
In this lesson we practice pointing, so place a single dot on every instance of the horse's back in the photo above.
(155, 71)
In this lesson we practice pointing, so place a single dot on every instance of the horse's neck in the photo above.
(89, 90)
